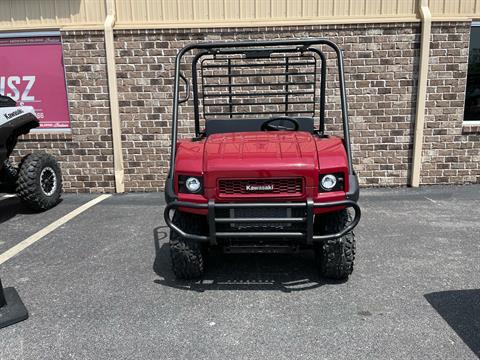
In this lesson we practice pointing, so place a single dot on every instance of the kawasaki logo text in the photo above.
(259, 187)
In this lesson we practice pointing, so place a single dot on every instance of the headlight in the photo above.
(331, 182)
(193, 184)
(190, 184)
(328, 182)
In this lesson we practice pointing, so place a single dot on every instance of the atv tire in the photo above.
(186, 255)
(39, 183)
(8, 176)
(335, 257)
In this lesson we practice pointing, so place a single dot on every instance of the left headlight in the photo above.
(190, 184)
(331, 182)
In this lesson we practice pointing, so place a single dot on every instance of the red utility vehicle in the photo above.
(259, 175)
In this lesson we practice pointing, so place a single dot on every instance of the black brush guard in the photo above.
(307, 235)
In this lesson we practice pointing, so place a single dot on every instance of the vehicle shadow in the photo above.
(11, 207)
(461, 310)
(281, 272)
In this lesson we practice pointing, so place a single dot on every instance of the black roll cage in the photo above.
(264, 47)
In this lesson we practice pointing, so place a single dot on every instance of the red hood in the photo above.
(263, 155)
(260, 154)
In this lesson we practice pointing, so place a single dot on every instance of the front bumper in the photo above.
(306, 235)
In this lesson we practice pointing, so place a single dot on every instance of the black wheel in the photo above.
(8, 176)
(187, 255)
(335, 257)
(39, 183)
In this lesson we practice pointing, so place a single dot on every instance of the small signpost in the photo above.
(12, 309)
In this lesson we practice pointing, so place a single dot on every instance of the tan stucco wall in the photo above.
(90, 14)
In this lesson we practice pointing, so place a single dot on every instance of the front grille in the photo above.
(291, 186)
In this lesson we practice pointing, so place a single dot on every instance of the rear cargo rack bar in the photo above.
(303, 63)
(263, 93)
(257, 79)
(260, 74)
(258, 84)
(260, 112)
(306, 235)
(265, 104)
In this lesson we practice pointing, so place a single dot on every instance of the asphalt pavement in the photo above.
(100, 286)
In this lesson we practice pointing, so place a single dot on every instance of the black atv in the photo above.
(37, 181)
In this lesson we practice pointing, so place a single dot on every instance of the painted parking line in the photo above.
(7, 196)
(49, 228)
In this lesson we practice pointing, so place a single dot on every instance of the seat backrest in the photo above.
(221, 126)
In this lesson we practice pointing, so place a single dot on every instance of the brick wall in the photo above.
(451, 151)
(86, 153)
(381, 64)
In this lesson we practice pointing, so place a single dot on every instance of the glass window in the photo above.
(472, 96)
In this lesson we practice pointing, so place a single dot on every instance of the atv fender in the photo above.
(14, 121)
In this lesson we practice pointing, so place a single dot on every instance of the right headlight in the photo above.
(190, 184)
(331, 182)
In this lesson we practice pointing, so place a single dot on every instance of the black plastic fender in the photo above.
(14, 121)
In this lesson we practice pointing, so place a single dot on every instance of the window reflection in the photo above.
(472, 96)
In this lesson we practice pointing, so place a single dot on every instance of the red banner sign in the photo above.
(32, 73)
